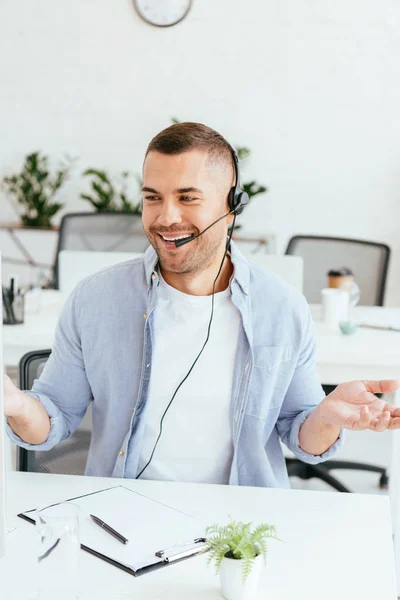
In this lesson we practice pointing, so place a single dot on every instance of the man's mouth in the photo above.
(170, 239)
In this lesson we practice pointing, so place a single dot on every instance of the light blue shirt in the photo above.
(103, 353)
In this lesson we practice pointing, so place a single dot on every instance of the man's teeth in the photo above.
(181, 237)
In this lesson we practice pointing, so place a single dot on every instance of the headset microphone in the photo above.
(179, 243)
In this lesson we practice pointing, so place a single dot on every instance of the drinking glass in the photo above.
(58, 551)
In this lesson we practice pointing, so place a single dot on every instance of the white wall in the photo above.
(312, 86)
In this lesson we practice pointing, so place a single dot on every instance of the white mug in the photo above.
(335, 306)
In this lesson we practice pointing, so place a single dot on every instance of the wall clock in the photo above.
(162, 13)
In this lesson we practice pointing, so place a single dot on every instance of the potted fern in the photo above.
(237, 551)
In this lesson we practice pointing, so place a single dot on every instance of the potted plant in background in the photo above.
(237, 551)
(35, 189)
(108, 196)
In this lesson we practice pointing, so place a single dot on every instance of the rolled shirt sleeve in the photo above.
(303, 395)
(63, 388)
(57, 426)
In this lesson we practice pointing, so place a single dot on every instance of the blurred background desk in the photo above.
(328, 541)
(370, 353)
(37, 331)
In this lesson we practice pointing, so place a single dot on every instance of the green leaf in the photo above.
(97, 173)
(53, 209)
(253, 188)
(242, 152)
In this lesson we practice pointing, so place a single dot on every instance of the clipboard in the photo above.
(159, 535)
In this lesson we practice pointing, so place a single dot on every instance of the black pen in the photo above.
(109, 529)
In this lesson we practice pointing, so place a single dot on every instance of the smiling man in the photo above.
(197, 362)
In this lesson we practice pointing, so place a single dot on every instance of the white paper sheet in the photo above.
(149, 526)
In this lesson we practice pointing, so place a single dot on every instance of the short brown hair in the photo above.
(183, 137)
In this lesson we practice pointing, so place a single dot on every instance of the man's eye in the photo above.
(151, 197)
(187, 198)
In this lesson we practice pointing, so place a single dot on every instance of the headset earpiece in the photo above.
(237, 199)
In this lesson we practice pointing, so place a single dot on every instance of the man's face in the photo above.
(182, 195)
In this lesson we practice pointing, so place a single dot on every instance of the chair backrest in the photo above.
(75, 265)
(289, 268)
(68, 457)
(369, 262)
(104, 232)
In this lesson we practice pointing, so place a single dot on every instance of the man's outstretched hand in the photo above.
(353, 405)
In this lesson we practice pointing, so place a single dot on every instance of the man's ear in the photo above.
(230, 218)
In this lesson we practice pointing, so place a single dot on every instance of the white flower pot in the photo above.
(232, 585)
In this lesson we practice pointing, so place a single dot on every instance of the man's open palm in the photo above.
(353, 405)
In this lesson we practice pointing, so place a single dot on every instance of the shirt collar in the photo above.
(241, 267)
(150, 264)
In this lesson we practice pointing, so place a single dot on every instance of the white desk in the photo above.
(368, 354)
(335, 545)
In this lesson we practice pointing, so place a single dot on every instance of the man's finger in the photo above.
(394, 410)
(364, 419)
(383, 421)
(385, 386)
(394, 423)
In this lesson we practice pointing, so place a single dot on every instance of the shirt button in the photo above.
(246, 289)
(121, 452)
(145, 315)
(154, 276)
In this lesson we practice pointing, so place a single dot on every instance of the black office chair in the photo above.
(104, 231)
(369, 262)
(68, 457)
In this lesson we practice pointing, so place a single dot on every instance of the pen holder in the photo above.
(13, 308)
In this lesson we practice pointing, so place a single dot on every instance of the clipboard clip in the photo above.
(198, 545)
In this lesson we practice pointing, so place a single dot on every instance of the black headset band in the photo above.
(236, 169)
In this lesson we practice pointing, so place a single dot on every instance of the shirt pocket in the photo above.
(270, 379)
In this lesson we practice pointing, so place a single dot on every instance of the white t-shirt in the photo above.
(196, 441)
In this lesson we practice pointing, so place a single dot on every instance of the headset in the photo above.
(237, 200)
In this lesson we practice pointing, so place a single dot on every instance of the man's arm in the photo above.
(52, 410)
(301, 423)
(316, 434)
(27, 417)
(311, 425)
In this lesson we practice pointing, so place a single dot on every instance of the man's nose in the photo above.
(170, 214)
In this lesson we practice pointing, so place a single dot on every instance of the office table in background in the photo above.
(333, 545)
